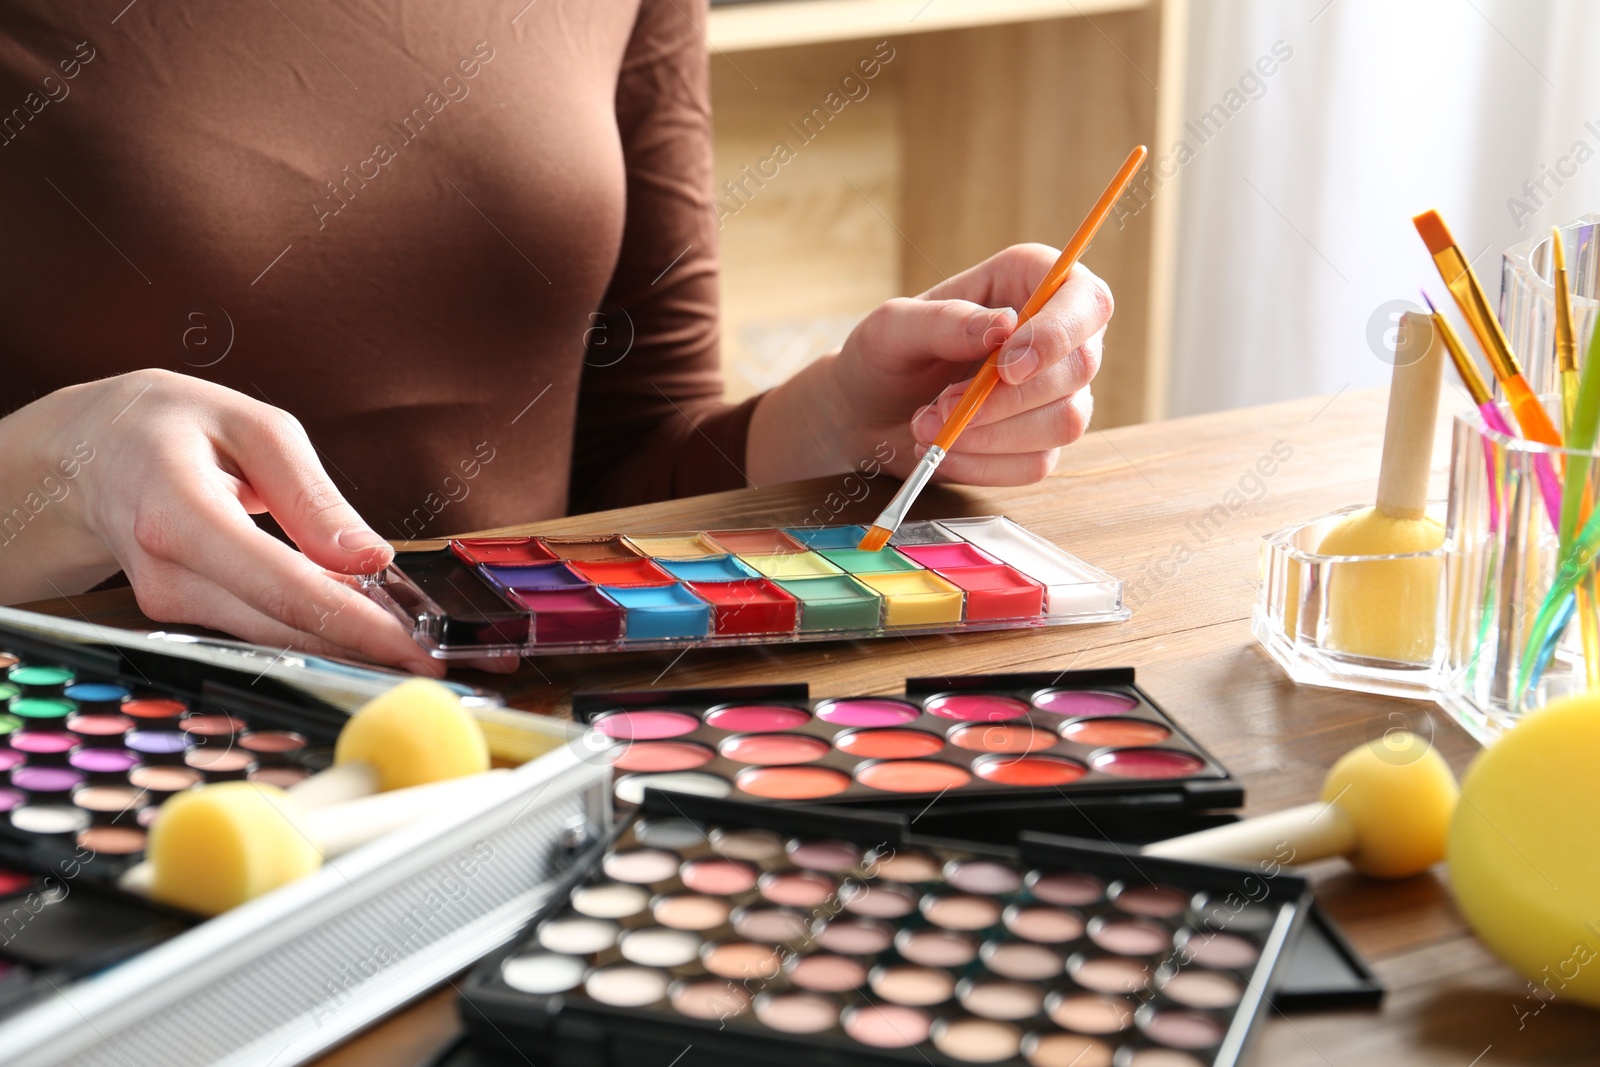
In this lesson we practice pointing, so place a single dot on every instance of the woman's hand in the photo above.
(157, 474)
(903, 369)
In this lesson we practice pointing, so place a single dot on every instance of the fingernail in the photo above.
(925, 427)
(994, 327)
(359, 539)
(1019, 365)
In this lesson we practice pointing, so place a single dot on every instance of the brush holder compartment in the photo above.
(1370, 624)
(1502, 554)
(1527, 298)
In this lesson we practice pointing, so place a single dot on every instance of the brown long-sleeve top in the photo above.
(469, 245)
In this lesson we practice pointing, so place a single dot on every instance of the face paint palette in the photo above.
(950, 746)
(531, 595)
(792, 937)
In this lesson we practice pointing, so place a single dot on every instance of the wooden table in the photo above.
(1136, 501)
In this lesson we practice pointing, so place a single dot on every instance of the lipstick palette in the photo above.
(792, 937)
(531, 595)
(1030, 744)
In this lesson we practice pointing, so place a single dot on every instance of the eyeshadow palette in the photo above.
(531, 595)
(1023, 743)
(99, 727)
(761, 935)
(86, 760)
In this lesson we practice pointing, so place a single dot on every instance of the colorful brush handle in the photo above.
(1530, 413)
(1556, 610)
(1549, 484)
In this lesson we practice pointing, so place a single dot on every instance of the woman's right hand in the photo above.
(157, 474)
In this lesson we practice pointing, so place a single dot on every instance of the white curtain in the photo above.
(1295, 219)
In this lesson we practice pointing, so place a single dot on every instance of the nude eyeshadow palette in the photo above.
(531, 595)
(1040, 742)
(791, 937)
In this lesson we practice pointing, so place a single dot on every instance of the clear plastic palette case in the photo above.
(795, 937)
(547, 594)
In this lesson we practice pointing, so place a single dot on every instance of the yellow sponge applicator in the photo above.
(1524, 847)
(217, 847)
(1385, 806)
(415, 733)
(1387, 609)
(1383, 609)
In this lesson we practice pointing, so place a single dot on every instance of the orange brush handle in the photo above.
(1531, 416)
(989, 375)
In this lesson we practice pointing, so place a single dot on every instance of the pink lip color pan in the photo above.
(975, 707)
(1081, 702)
(646, 725)
(773, 750)
(867, 712)
(757, 718)
(664, 756)
(1147, 763)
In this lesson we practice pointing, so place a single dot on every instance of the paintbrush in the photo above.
(1577, 557)
(1468, 291)
(1579, 430)
(989, 375)
(1566, 339)
(1549, 484)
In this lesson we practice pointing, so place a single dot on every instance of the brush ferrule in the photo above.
(920, 475)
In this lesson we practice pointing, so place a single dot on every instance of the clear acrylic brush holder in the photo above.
(1502, 554)
(1371, 624)
(1527, 298)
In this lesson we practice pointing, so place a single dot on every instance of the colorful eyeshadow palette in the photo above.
(97, 730)
(1003, 742)
(792, 937)
(530, 595)
(87, 760)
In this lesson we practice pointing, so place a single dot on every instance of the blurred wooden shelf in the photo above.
(867, 149)
(784, 23)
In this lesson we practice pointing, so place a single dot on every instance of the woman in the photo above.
(339, 264)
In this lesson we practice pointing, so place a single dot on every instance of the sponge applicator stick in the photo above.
(215, 848)
(1386, 806)
(413, 734)
(1385, 609)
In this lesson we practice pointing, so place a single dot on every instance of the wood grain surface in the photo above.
(1176, 509)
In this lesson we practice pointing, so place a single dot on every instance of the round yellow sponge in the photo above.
(1399, 795)
(414, 734)
(215, 848)
(1385, 609)
(1525, 847)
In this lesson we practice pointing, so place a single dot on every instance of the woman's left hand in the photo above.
(903, 369)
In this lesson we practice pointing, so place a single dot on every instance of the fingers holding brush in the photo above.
(1020, 450)
(995, 427)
